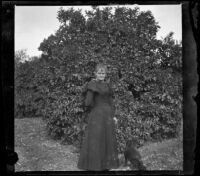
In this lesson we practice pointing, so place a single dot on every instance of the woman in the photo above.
(99, 149)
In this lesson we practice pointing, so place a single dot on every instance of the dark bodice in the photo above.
(98, 93)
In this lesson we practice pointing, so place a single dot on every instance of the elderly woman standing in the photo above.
(99, 149)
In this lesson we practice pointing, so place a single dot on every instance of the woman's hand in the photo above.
(115, 120)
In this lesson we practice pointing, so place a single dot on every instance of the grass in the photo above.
(38, 152)
(165, 155)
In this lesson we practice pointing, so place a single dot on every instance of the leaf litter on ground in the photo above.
(38, 152)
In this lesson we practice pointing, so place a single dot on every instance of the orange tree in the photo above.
(145, 73)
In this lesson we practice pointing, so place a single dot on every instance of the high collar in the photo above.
(100, 81)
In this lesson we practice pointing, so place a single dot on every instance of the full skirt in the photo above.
(99, 148)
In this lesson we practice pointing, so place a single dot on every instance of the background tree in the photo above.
(145, 73)
(21, 56)
(29, 84)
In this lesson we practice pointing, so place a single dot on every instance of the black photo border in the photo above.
(190, 52)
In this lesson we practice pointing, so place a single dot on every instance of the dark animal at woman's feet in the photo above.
(132, 155)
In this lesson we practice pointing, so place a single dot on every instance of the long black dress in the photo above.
(99, 148)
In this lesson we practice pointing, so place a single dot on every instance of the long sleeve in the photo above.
(113, 106)
(90, 89)
(89, 99)
(112, 97)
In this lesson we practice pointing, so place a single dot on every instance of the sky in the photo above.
(35, 23)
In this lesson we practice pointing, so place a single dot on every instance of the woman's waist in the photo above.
(102, 103)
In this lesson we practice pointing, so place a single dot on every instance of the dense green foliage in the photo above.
(145, 74)
(30, 86)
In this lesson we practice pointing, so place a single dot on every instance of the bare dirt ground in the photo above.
(38, 152)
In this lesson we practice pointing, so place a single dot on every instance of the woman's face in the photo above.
(101, 74)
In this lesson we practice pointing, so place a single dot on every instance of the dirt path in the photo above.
(38, 152)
